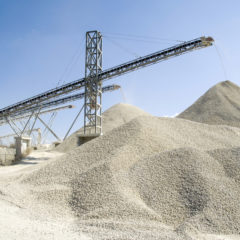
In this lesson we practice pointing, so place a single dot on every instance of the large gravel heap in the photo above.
(148, 178)
(112, 118)
(219, 105)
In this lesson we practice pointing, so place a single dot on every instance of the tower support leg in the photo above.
(93, 88)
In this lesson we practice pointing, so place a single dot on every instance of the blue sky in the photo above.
(42, 42)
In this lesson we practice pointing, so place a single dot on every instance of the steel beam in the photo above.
(73, 122)
(35, 120)
(26, 115)
(9, 122)
(49, 129)
(12, 135)
(93, 87)
(28, 121)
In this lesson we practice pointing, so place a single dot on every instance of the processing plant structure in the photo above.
(43, 103)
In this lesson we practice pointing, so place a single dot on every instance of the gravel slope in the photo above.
(219, 105)
(145, 178)
(112, 118)
(167, 172)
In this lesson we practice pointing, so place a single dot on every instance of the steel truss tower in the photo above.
(93, 87)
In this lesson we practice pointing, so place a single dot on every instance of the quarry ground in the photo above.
(17, 222)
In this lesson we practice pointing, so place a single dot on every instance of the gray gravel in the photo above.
(112, 118)
(219, 105)
(161, 171)
(145, 178)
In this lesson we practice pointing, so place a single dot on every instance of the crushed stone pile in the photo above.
(219, 105)
(148, 178)
(112, 118)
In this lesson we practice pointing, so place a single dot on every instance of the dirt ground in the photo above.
(17, 222)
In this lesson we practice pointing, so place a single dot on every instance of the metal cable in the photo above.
(76, 56)
(78, 52)
(122, 47)
(137, 37)
(221, 62)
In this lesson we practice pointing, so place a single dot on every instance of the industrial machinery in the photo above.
(26, 112)
(92, 82)
(18, 132)
(38, 130)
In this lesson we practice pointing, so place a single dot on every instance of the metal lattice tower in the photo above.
(93, 87)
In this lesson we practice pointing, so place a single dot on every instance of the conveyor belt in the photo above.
(57, 102)
(109, 73)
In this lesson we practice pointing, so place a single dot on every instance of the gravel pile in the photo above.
(191, 190)
(219, 105)
(112, 118)
(148, 178)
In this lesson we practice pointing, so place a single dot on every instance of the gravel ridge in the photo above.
(219, 105)
(170, 172)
